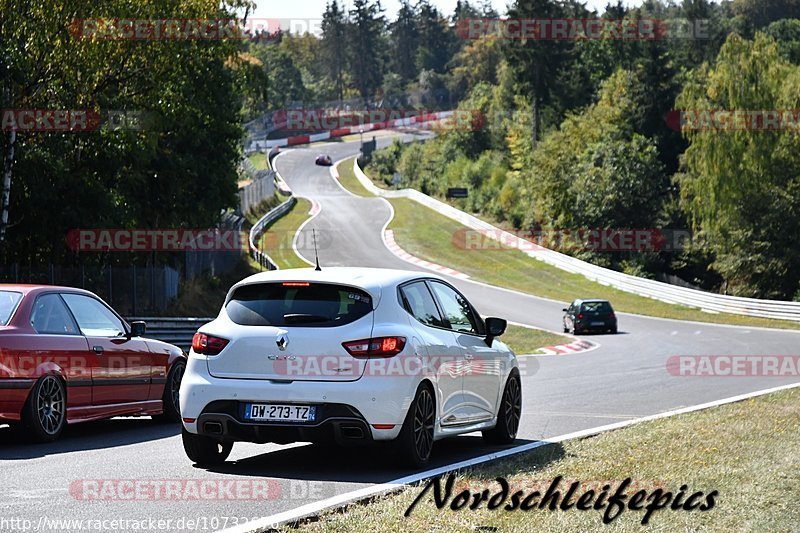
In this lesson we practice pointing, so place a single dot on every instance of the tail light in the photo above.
(375, 347)
(611, 315)
(580, 316)
(208, 344)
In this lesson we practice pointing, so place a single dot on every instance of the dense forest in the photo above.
(172, 163)
(580, 134)
(574, 133)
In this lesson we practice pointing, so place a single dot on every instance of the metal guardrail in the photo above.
(174, 330)
(262, 258)
(706, 301)
(255, 233)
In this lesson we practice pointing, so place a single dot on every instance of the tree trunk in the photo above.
(8, 166)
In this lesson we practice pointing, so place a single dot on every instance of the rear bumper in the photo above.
(589, 326)
(337, 423)
(13, 393)
(367, 401)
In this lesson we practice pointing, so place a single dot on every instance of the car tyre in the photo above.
(170, 399)
(415, 442)
(44, 414)
(614, 330)
(508, 414)
(205, 451)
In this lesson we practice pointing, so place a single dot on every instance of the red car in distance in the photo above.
(323, 160)
(67, 357)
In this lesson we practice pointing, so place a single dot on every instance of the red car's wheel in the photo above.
(45, 411)
(171, 397)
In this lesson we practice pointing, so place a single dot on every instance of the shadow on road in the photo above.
(373, 464)
(89, 436)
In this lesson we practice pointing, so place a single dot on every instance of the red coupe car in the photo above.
(67, 357)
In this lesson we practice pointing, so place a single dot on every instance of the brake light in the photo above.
(580, 316)
(295, 284)
(208, 344)
(375, 347)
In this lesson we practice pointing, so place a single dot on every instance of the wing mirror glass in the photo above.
(138, 328)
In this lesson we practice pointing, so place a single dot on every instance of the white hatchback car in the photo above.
(347, 356)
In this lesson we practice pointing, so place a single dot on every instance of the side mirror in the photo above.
(138, 328)
(565, 309)
(494, 328)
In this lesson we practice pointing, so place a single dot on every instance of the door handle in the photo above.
(468, 356)
(98, 349)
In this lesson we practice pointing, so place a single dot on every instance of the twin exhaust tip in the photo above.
(212, 428)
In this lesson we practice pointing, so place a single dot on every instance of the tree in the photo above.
(465, 10)
(405, 41)
(366, 41)
(435, 39)
(183, 151)
(477, 62)
(786, 33)
(334, 46)
(536, 61)
(285, 79)
(740, 185)
(760, 13)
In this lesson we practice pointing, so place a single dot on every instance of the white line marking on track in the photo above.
(313, 509)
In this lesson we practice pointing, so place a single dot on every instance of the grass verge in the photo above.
(277, 240)
(528, 340)
(748, 451)
(428, 235)
(259, 160)
(348, 179)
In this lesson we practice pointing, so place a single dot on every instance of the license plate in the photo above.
(598, 323)
(260, 412)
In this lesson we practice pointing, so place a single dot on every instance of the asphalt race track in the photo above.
(625, 378)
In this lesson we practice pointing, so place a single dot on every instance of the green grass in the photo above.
(528, 340)
(259, 160)
(748, 451)
(277, 240)
(426, 234)
(348, 179)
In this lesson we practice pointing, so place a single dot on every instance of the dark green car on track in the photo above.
(583, 316)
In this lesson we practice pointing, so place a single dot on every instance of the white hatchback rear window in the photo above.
(297, 304)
